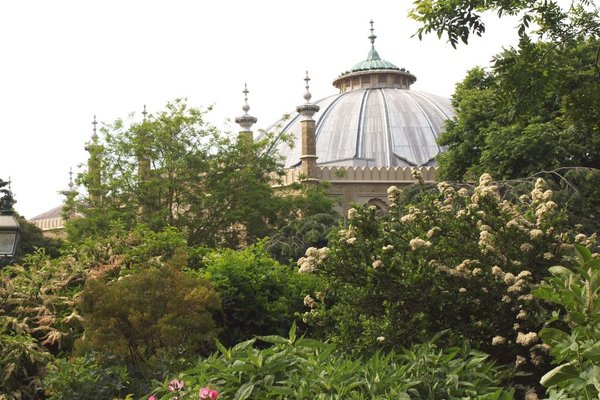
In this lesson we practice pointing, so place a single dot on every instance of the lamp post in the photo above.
(10, 231)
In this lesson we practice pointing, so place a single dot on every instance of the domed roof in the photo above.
(375, 120)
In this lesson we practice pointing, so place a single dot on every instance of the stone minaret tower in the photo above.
(308, 166)
(142, 157)
(246, 121)
(94, 167)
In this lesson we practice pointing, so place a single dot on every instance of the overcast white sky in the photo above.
(64, 61)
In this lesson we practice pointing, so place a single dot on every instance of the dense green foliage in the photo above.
(577, 349)
(459, 259)
(149, 309)
(173, 169)
(300, 368)
(459, 19)
(535, 110)
(258, 295)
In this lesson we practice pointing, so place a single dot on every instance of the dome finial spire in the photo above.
(71, 185)
(246, 121)
(246, 107)
(307, 95)
(144, 113)
(373, 36)
(94, 135)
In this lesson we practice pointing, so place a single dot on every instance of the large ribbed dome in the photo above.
(375, 120)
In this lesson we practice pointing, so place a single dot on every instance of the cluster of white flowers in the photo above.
(538, 194)
(381, 339)
(462, 290)
(526, 247)
(523, 274)
(527, 339)
(393, 194)
(417, 243)
(313, 257)
(486, 242)
(388, 247)
(498, 340)
(352, 213)
(309, 301)
(522, 314)
(535, 234)
(485, 190)
(433, 231)
(377, 264)
(463, 192)
(520, 361)
(408, 218)
(447, 191)
(497, 272)
(416, 174)
(509, 278)
(530, 394)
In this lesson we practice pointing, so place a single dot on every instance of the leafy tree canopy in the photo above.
(536, 109)
(174, 169)
(550, 19)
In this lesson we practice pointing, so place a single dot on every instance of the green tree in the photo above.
(174, 169)
(150, 309)
(536, 109)
(552, 19)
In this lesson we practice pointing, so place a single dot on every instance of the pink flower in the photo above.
(207, 393)
(153, 397)
(175, 385)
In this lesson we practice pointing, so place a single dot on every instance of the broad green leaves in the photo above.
(577, 352)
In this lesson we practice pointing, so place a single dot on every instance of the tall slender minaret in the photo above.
(94, 178)
(308, 166)
(246, 121)
(143, 159)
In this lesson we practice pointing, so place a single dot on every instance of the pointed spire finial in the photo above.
(71, 184)
(246, 107)
(94, 135)
(246, 121)
(307, 95)
(372, 37)
(144, 113)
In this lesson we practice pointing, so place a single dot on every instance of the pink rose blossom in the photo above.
(207, 393)
(153, 397)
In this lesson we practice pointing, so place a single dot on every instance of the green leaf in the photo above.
(244, 391)
(559, 374)
(553, 336)
(593, 353)
(273, 339)
(583, 254)
(558, 270)
(292, 333)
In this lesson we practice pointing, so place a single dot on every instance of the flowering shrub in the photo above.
(460, 258)
(299, 368)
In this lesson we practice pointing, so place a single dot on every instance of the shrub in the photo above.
(577, 348)
(258, 295)
(302, 368)
(150, 309)
(462, 259)
(82, 378)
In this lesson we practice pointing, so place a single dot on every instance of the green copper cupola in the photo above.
(374, 72)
